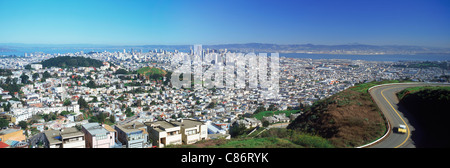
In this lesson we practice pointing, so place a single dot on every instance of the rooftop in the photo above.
(161, 125)
(131, 127)
(188, 123)
(56, 136)
(8, 131)
(70, 132)
(95, 129)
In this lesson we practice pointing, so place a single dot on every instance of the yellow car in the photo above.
(401, 129)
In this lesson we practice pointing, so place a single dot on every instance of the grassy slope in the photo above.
(273, 138)
(260, 115)
(348, 119)
(412, 90)
(151, 70)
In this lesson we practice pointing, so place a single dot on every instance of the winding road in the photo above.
(384, 96)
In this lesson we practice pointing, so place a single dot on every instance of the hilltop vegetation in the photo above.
(429, 106)
(262, 114)
(152, 73)
(347, 119)
(273, 138)
(70, 62)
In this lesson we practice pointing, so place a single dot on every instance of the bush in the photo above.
(311, 141)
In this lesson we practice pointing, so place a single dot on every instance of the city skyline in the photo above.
(417, 23)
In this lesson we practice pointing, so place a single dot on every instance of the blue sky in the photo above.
(135, 22)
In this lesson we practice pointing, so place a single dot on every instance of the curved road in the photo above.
(384, 96)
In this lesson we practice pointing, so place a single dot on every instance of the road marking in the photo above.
(407, 127)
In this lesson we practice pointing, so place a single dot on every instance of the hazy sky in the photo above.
(135, 22)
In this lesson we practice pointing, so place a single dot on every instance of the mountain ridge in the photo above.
(353, 48)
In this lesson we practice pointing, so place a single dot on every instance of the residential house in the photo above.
(64, 138)
(97, 137)
(132, 135)
(12, 136)
(192, 130)
(163, 133)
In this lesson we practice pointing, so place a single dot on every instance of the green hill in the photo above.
(152, 72)
(272, 138)
(347, 119)
(70, 62)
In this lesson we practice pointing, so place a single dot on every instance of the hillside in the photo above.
(272, 138)
(69, 62)
(152, 72)
(348, 119)
(429, 106)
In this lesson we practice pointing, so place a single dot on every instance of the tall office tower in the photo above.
(124, 51)
(198, 51)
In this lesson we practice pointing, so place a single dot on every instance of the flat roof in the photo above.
(188, 123)
(128, 128)
(95, 129)
(71, 132)
(161, 126)
(51, 136)
(8, 131)
(109, 128)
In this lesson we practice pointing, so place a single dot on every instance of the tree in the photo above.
(91, 84)
(8, 80)
(128, 112)
(237, 129)
(24, 78)
(271, 108)
(67, 102)
(3, 123)
(83, 103)
(94, 99)
(23, 124)
(112, 118)
(7, 107)
(211, 105)
(35, 76)
(46, 75)
(265, 123)
(121, 71)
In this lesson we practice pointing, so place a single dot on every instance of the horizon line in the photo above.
(113, 45)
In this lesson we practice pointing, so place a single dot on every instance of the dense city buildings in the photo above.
(120, 104)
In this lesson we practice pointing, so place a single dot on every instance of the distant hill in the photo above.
(69, 62)
(152, 72)
(337, 49)
(2, 49)
(353, 48)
